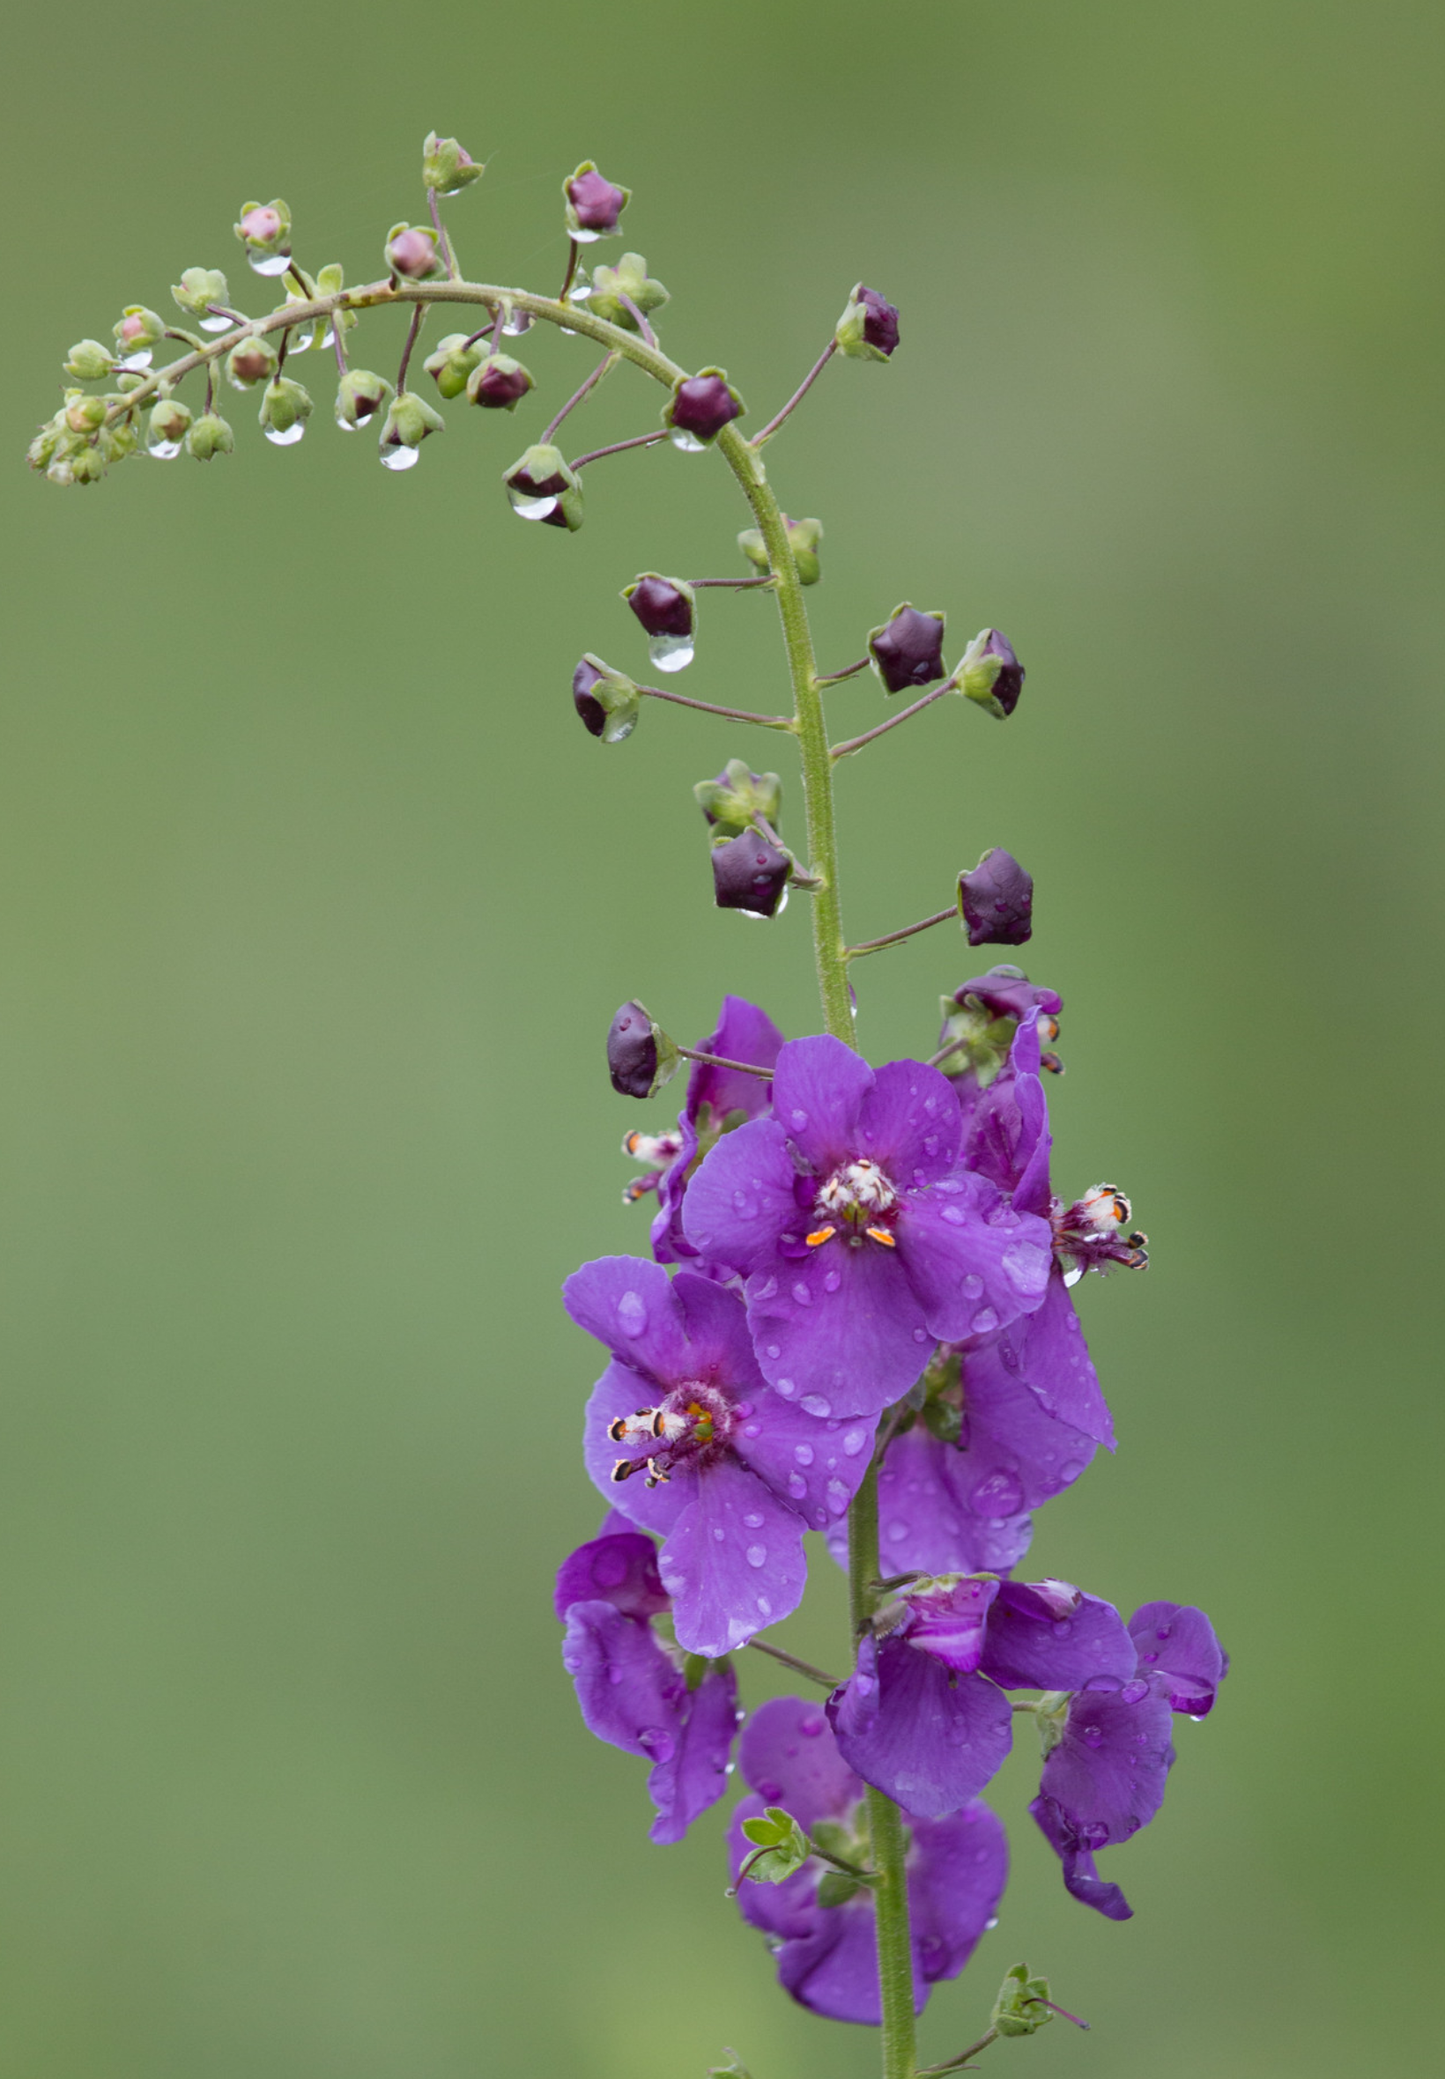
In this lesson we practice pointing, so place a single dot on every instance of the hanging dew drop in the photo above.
(163, 450)
(687, 442)
(516, 322)
(133, 363)
(533, 508)
(400, 457)
(671, 652)
(216, 324)
(289, 438)
(269, 263)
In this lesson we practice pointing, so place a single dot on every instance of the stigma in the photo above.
(857, 1199)
(687, 1427)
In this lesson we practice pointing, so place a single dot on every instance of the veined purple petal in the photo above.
(694, 1776)
(813, 1464)
(950, 1620)
(744, 1033)
(788, 1756)
(630, 1693)
(935, 1739)
(719, 1347)
(972, 1273)
(620, 1391)
(1054, 1637)
(838, 1331)
(834, 1970)
(1107, 1773)
(627, 1303)
(956, 1877)
(1008, 1137)
(909, 1123)
(924, 1522)
(818, 1090)
(1013, 1455)
(618, 1569)
(669, 1243)
(1081, 1878)
(1046, 1352)
(1177, 1646)
(740, 1198)
(734, 1563)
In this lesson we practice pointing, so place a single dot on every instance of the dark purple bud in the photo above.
(605, 699)
(640, 1056)
(1007, 992)
(701, 406)
(908, 649)
(868, 328)
(498, 383)
(749, 873)
(593, 204)
(991, 674)
(996, 901)
(663, 605)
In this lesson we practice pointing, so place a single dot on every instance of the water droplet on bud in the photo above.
(269, 263)
(289, 438)
(533, 508)
(163, 450)
(671, 652)
(688, 443)
(217, 324)
(516, 323)
(133, 362)
(400, 457)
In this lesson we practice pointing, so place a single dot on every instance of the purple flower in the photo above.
(924, 1717)
(827, 1954)
(717, 1100)
(684, 1437)
(632, 1691)
(862, 1239)
(1108, 1755)
(926, 1522)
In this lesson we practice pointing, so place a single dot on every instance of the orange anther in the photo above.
(881, 1234)
(816, 1239)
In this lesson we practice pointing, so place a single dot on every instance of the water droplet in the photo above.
(797, 1486)
(816, 1405)
(799, 1119)
(985, 1321)
(753, 1522)
(955, 1215)
(930, 1144)
(163, 450)
(1149, 1658)
(802, 1295)
(216, 324)
(765, 1606)
(400, 457)
(752, 1429)
(1092, 1736)
(1133, 1692)
(516, 322)
(803, 1453)
(718, 1532)
(767, 1291)
(1072, 1277)
(854, 1441)
(896, 1533)
(1000, 1495)
(631, 1314)
(811, 1725)
(1163, 1631)
(269, 263)
(787, 1387)
(671, 652)
(973, 1286)
(743, 1206)
(289, 438)
(533, 508)
(141, 358)
(837, 1497)
(992, 1922)
(921, 1335)
(1071, 1323)
(756, 1554)
(686, 442)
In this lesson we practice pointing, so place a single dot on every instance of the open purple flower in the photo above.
(862, 1239)
(828, 1953)
(924, 1718)
(686, 1439)
(717, 1099)
(633, 1692)
(1108, 1754)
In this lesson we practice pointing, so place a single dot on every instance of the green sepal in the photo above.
(210, 436)
(198, 288)
(787, 1846)
(284, 404)
(630, 276)
(731, 804)
(409, 419)
(89, 361)
(453, 362)
(447, 166)
(1050, 1715)
(1019, 2009)
(695, 1668)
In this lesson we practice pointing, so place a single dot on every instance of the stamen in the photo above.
(623, 1470)
(881, 1234)
(816, 1239)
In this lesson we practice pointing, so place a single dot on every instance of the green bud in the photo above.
(1050, 1715)
(200, 287)
(868, 328)
(285, 408)
(1019, 2009)
(137, 333)
(803, 535)
(608, 705)
(249, 362)
(83, 413)
(542, 487)
(89, 361)
(453, 362)
(628, 278)
(85, 466)
(120, 441)
(446, 167)
(733, 2069)
(170, 422)
(210, 436)
(409, 420)
(737, 795)
(265, 232)
(127, 381)
(359, 396)
(42, 450)
(787, 1846)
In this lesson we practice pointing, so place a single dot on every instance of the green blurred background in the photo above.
(317, 901)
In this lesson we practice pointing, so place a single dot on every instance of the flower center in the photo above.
(859, 1200)
(1089, 1234)
(690, 1428)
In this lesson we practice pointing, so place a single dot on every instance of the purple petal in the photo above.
(949, 1621)
(841, 1331)
(744, 1033)
(1107, 1774)
(956, 1878)
(816, 1466)
(924, 1523)
(1046, 1352)
(834, 1970)
(621, 1570)
(669, 1243)
(935, 1739)
(621, 1392)
(630, 1692)
(1008, 1129)
(1039, 1638)
(695, 1775)
(789, 1757)
(818, 1091)
(1177, 1646)
(734, 1563)
(973, 1263)
(627, 1303)
(1081, 1879)
(1014, 1455)
(720, 1349)
(909, 1123)
(740, 1198)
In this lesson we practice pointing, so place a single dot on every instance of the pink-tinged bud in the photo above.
(411, 252)
(594, 205)
(261, 225)
(996, 901)
(264, 230)
(700, 407)
(749, 873)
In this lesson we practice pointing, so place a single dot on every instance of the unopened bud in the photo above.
(447, 167)
(750, 873)
(89, 361)
(83, 413)
(908, 649)
(700, 406)
(453, 362)
(249, 362)
(991, 674)
(499, 383)
(607, 700)
(411, 250)
(542, 487)
(42, 450)
(360, 394)
(265, 231)
(868, 328)
(667, 609)
(195, 292)
(996, 901)
(119, 441)
(641, 1057)
(170, 422)
(136, 335)
(285, 408)
(731, 801)
(209, 436)
(85, 466)
(409, 420)
(803, 539)
(629, 279)
(593, 204)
